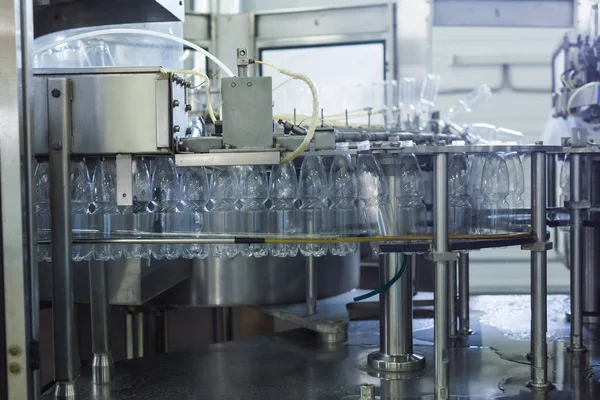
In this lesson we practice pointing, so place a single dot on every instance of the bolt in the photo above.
(124, 194)
(367, 391)
(14, 368)
(242, 53)
(55, 93)
(57, 145)
(180, 81)
(232, 84)
(175, 77)
(175, 103)
(176, 128)
(188, 107)
(14, 351)
(538, 142)
(249, 84)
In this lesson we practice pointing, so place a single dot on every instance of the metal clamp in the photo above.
(537, 246)
(577, 205)
(441, 256)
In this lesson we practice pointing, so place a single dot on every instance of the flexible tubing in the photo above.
(385, 287)
(211, 112)
(315, 111)
(577, 92)
(130, 31)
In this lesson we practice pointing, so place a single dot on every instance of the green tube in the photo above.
(384, 288)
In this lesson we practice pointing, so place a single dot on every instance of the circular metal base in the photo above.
(403, 363)
(542, 387)
(102, 368)
(64, 391)
(577, 350)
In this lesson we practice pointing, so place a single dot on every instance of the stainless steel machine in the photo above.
(485, 347)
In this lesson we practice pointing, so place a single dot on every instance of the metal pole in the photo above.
(463, 293)
(129, 341)
(539, 364)
(311, 286)
(396, 309)
(575, 204)
(452, 312)
(440, 247)
(139, 334)
(102, 363)
(66, 358)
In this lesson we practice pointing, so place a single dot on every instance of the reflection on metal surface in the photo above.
(292, 365)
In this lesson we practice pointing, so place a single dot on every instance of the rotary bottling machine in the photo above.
(504, 349)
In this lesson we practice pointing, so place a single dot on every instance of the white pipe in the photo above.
(129, 31)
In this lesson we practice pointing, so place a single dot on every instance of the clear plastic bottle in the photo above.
(344, 197)
(565, 186)
(194, 192)
(283, 188)
(81, 208)
(459, 208)
(137, 218)
(407, 102)
(223, 213)
(472, 100)
(517, 186)
(314, 212)
(253, 194)
(166, 195)
(42, 209)
(429, 93)
(495, 185)
(410, 208)
(476, 164)
(378, 217)
(105, 216)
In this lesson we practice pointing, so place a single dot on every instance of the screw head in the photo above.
(242, 53)
(249, 84)
(176, 128)
(55, 93)
(14, 368)
(175, 103)
(233, 84)
(57, 145)
(188, 107)
(14, 351)
(124, 195)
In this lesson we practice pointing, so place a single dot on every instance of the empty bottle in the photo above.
(410, 208)
(283, 188)
(313, 193)
(495, 185)
(223, 213)
(165, 197)
(194, 192)
(106, 218)
(81, 208)
(137, 218)
(378, 216)
(459, 208)
(42, 209)
(477, 162)
(565, 186)
(517, 186)
(253, 194)
(429, 92)
(472, 100)
(344, 197)
(407, 102)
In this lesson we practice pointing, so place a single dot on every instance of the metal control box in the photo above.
(247, 112)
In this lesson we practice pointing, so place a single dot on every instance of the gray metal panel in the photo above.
(247, 112)
(17, 325)
(196, 27)
(337, 21)
(112, 113)
(556, 14)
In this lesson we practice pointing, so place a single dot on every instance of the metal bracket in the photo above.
(577, 205)
(579, 137)
(537, 246)
(124, 180)
(442, 256)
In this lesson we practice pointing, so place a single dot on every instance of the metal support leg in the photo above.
(576, 270)
(139, 334)
(452, 312)
(102, 363)
(129, 340)
(440, 246)
(539, 364)
(395, 322)
(463, 293)
(66, 358)
(311, 286)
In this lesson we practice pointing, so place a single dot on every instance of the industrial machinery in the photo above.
(236, 207)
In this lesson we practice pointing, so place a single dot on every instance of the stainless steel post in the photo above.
(396, 309)
(440, 247)
(311, 286)
(539, 363)
(129, 340)
(102, 363)
(463, 293)
(575, 204)
(139, 334)
(452, 312)
(66, 358)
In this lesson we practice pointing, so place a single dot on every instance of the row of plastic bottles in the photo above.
(347, 199)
